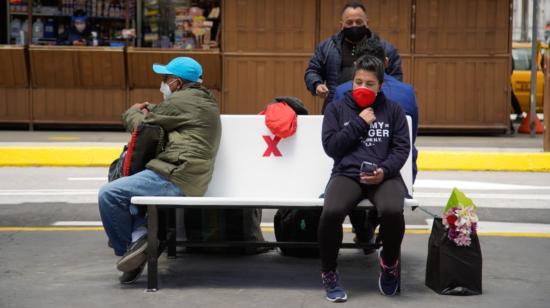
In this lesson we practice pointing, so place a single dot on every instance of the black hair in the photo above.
(354, 4)
(370, 64)
(79, 13)
(371, 47)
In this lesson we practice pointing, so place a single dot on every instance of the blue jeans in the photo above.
(118, 215)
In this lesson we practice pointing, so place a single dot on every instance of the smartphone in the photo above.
(367, 168)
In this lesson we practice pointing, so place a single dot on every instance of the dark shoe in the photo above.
(334, 291)
(366, 235)
(366, 250)
(519, 118)
(389, 281)
(131, 276)
(135, 256)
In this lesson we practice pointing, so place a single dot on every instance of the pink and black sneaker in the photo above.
(389, 282)
(334, 291)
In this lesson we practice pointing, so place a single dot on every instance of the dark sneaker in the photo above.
(131, 276)
(366, 236)
(135, 256)
(518, 118)
(388, 282)
(335, 292)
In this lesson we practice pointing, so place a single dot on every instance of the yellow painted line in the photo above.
(63, 138)
(420, 232)
(48, 229)
(271, 230)
(515, 234)
(489, 233)
(427, 160)
(484, 161)
(58, 156)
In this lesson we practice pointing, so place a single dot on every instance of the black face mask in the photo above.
(355, 34)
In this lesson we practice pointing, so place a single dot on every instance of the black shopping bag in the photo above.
(451, 269)
(214, 225)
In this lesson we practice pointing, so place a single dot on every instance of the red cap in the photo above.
(280, 119)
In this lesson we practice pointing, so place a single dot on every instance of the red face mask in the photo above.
(364, 97)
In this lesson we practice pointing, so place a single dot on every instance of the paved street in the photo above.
(42, 266)
(472, 76)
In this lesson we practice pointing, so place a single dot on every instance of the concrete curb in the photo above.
(102, 156)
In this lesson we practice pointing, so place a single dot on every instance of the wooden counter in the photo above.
(77, 67)
(14, 85)
(77, 85)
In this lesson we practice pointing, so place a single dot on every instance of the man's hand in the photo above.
(140, 105)
(374, 179)
(80, 42)
(368, 115)
(322, 90)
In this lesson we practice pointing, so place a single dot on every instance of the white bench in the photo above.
(255, 170)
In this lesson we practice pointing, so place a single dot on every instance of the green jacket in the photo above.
(191, 119)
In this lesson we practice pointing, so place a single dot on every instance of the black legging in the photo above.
(516, 105)
(341, 196)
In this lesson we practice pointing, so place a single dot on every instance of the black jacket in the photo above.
(349, 140)
(67, 37)
(326, 65)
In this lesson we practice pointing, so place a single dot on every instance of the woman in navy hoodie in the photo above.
(364, 128)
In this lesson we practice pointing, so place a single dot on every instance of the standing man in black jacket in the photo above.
(332, 63)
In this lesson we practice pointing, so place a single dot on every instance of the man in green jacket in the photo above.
(190, 116)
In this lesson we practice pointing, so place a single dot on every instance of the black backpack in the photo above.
(146, 143)
(297, 225)
(295, 103)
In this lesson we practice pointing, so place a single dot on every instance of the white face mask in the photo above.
(80, 27)
(165, 90)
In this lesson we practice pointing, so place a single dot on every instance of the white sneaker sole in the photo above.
(338, 300)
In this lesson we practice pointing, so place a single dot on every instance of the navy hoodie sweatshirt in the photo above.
(349, 140)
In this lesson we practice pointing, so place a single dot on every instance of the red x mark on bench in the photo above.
(272, 146)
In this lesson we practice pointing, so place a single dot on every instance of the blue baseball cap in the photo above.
(183, 67)
(79, 18)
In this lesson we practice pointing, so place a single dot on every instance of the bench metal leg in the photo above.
(152, 249)
(171, 227)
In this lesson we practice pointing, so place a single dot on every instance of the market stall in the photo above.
(455, 53)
